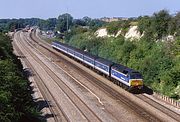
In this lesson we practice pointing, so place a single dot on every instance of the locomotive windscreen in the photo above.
(136, 75)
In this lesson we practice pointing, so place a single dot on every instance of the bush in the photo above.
(15, 95)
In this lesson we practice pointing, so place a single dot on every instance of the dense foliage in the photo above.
(114, 27)
(13, 24)
(159, 25)
(157, 61)
(16, 102)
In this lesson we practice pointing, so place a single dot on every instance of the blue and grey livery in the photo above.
(117, 72)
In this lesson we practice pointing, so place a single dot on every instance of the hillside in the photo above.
(156, 57)
(132, 33)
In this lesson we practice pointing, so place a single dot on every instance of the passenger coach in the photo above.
(118, 73)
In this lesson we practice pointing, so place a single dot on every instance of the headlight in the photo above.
(136, 82)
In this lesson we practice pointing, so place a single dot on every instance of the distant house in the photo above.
(107, 19)
(50, 33)
(85, 27)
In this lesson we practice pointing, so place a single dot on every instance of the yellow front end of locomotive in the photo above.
(136, 82)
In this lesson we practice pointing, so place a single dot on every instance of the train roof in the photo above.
(118, 67)
(122, 68)
(78, 50)
(87, 54)
(60, 43)
(63, 44)
(104, 61)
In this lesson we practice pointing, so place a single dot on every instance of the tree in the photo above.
(144, 24)
(94, 24)
(15, 95)
(79, 22)
(64, 22)
(113, 27)
(87, 20)
(160, 22)
(174, 25)
(51, 23)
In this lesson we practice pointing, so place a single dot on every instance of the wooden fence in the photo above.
(168, 100)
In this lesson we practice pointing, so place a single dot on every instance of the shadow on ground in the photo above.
(40, 104)
(43, 104)
(145, 90)
(27, 72)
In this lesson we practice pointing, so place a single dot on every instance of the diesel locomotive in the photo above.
(119, 74)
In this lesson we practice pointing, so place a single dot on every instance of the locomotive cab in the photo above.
(136, 80)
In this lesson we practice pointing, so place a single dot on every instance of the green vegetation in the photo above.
(16, 102)
(158, 61)
(12, 24)
(114, 27)
(159, 25)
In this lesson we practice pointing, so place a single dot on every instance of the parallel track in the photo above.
(165, 110)
(160, 107)
(85, 110)
(47, 94)
(106, 89)
(41, 86)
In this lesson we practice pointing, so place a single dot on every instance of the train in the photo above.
(121, 75)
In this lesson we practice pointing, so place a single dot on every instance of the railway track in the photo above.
(96, 82)
(106, 89)
(42, 90)
(80, 105)
(46, 94)
(160, 107)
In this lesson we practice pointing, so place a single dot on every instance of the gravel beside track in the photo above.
(74, 114)
(55, 111)
(169, 112)
(163, 110)
(175, 116)
(90, 97)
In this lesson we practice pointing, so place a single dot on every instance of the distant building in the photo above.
(85, 27)
(107, 19)
(50, 33)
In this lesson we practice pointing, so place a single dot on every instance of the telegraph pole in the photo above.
(67, 23)
(67, 18)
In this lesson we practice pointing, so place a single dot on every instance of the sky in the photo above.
(79, 8)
